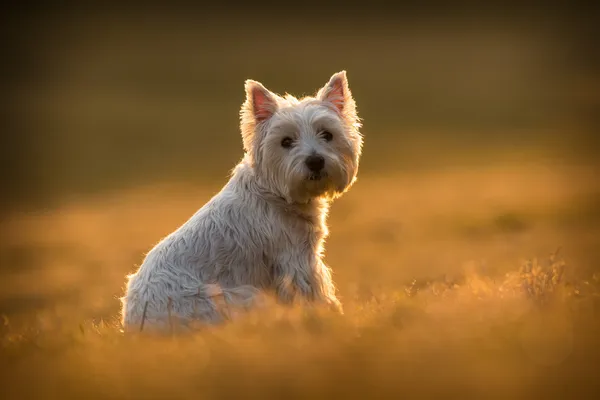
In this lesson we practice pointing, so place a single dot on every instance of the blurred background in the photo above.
(121, 113)
(105, 96)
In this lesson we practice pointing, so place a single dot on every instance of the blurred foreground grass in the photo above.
(432, 268)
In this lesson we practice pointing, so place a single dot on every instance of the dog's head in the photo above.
(303, 148)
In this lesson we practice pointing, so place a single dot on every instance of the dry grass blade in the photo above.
(144, 316)
(169, 311)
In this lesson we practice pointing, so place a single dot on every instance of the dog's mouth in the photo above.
(317, 176)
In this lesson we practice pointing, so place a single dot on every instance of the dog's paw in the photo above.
(334, 305)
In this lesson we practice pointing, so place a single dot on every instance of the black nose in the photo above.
(315, 163)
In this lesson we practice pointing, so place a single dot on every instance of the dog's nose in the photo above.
(315, 163)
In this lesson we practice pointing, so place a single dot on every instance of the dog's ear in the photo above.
(260, 105)
(337, 93)
(260, 102)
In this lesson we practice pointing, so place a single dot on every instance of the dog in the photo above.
(264, 231)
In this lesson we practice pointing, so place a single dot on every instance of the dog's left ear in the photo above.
(337, 93)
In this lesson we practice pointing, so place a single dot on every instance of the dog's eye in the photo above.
(287, 142)
(327, 136)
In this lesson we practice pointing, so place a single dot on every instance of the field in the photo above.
(429, 271)
(466, 255)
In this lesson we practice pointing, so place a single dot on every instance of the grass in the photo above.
(431, 309)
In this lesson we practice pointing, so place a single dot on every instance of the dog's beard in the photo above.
(308, 185)
(316, 184)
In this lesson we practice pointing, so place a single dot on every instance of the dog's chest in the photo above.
(294, 231)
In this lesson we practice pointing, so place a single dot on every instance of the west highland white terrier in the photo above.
(264, 231)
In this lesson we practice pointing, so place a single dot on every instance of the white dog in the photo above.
(264, 231)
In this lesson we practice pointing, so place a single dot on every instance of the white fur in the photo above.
(264, 231)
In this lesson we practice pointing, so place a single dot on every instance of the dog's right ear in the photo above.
(260, 105)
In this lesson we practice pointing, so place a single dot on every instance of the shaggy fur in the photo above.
(264, 231)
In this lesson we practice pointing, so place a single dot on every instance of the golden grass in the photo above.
(440, 298)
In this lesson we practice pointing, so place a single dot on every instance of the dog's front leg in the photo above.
(308, 277)
(326, 286)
